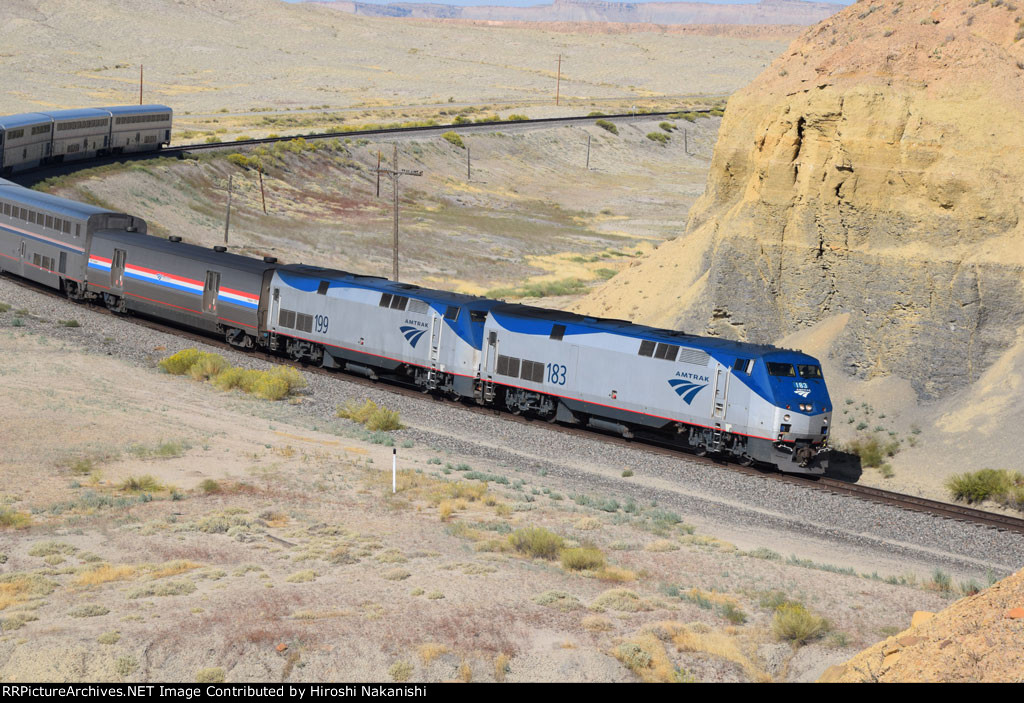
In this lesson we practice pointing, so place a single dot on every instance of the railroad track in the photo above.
(34, 176)
(827, 484)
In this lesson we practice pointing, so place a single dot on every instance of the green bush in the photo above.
(234, 377)
(454, 139)
(667, 126)
(793, 622)
(659, 137)
(609, 126)
(537, 542)
(582, 558)
(1006, 487)
(517, 118)
(180, 363)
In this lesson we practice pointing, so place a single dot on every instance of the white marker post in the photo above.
(394, 470)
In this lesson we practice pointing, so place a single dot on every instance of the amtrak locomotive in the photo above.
(753, 403)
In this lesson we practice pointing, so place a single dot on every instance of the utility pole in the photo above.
(395, 174)
(227, 220)
(558, 82)
(469, 168)
(686, 142)
(140, 83)
(588, 152)
(263, 193)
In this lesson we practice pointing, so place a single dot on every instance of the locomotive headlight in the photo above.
(824, 420)
(785, 418)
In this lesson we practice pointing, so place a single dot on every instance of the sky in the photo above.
(528, 3)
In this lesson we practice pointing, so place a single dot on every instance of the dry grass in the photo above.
(646, 657)
(615, 574)
(700, 638)
(173, 568)
(429, 651)
(14, 519)
(620, 599)
(582, 558)
(104, 573)
(537, 542)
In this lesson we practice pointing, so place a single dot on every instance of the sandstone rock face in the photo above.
(873, 170)
(974, 639)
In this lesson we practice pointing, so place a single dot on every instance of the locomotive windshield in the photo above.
(777, 369)
(809, 371)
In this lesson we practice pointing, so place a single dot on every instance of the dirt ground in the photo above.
(267, 545)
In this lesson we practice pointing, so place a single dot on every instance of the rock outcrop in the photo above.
(977, 639)
(874, 170)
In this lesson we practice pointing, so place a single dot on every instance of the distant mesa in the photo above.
(766, 12)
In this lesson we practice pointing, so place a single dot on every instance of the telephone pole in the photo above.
(140, 83)
(558, 81)
(395, 174)
(227, 219)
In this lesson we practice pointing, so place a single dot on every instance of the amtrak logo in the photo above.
(687, 390)
(803, 392)
(412, 334)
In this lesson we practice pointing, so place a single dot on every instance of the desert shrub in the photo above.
(141, 484)
(400, 671)
(88, 611)
(667, 126)
(375, 418)
(234, 377)
(608, 126)
(383, 420)
(302, 576)
(126, 665)
(582, 558)
(517, 118)
(45, 549)
(292, 376)
(207, 366)
(70, 323)
(112, 637)
(209, 486)
(537, 542)
(872, 450)
(180, 363)
(1004, 486)
(453, 138)
(659, 137)
(733, 613)
(633, 656)
(169, 588)
(559, 600)
(270, 387)
(213, 674)
(793, 622)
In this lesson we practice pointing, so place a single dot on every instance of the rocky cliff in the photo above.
(872, 172)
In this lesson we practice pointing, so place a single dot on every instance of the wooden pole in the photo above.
(263, 193)
(588, 152)
(140, 83)
(227, 220)
(469, 170)
(558, 82)
(394, 255)
(378, 173)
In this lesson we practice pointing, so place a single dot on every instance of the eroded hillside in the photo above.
(863, 205)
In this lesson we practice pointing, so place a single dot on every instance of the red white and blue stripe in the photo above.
(178, 283)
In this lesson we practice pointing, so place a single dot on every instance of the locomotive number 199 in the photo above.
(322, 323)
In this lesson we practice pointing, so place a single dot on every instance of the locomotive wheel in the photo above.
(746, 460)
